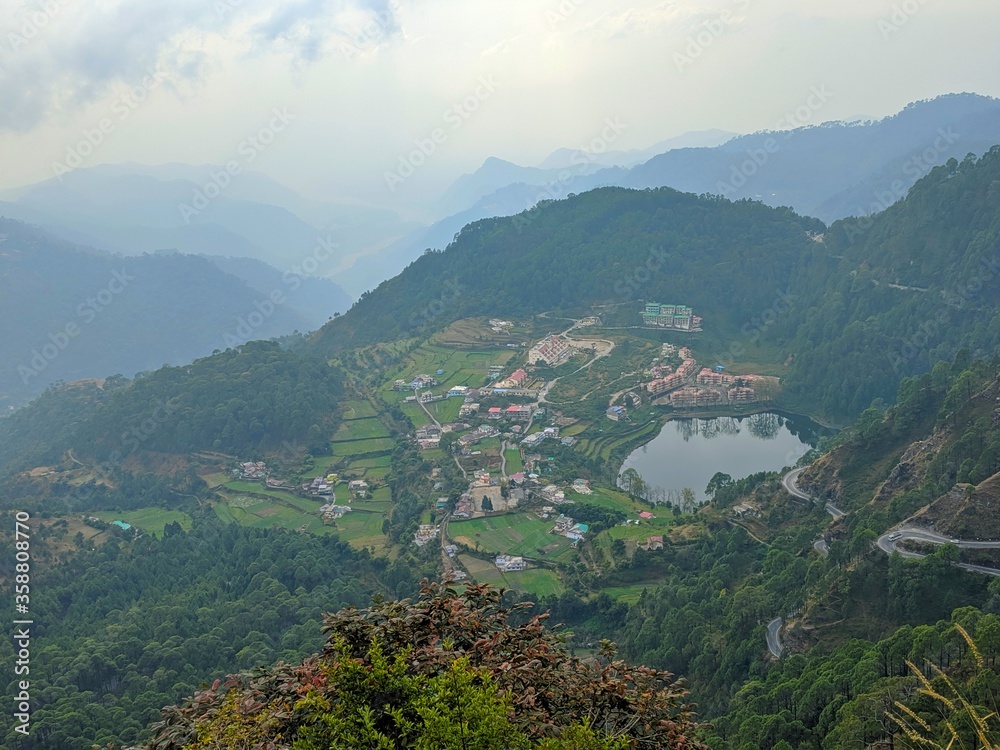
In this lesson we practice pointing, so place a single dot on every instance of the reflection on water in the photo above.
(688, 452)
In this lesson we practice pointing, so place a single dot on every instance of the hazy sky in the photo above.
(343, 90)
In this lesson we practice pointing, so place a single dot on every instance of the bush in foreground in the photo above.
(446, 671)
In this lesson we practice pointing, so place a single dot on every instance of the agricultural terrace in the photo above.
(513, 533)
(360, 429)
(263, 512)
(536, 581)
(620, 437)
(358, 410)
(476, 333)
(468, 368)
(621, 369)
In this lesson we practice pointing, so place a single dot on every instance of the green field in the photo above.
(363, 447)
(360, 429)
(321, 467)
(461, 367)
(418, 417)
(358, 410)
(375, 462)
(361, 529)
(482, 571)
(608, 498)
(513, 533)
(538, 581)
(150, 520)
(307, 505)
(370, 475)
(514, 463)
(261, 513)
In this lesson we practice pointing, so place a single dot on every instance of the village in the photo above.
(496, 429)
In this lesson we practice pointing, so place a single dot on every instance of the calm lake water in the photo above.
(688, 452)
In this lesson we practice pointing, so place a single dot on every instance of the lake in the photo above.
(688, 452)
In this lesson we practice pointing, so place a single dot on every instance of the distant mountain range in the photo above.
(69, 312)
(851, 308)
(134, 208)
(829, 171)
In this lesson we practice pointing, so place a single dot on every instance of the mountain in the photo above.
(133, 209)
(829, 171)
(724, 258)
(910, 286)
(71, 312)
(849, 310)
(564, 158)
(494, 174)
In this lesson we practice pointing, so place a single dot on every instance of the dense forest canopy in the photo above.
(242, 401)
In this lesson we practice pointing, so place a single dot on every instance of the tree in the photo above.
(717, 482)
(446, 671)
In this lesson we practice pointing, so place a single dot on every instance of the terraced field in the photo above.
(603, 445)
(512, 533)
(360, 429)
(459, 367)
(363, 447)
(358, 410)
(538, 581)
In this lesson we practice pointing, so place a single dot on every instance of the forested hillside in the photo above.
(847, 312)
(240, 401)
(123, 630)
(913, 285)
(608, 246)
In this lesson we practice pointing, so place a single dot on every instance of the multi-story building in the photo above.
(552, 349)
(678, 317)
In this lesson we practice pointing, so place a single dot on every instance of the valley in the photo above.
(495, 442)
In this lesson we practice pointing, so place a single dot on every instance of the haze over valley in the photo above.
(564, 375)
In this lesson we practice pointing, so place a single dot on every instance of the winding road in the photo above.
(774, 637)
(888, 541)
(790, 483)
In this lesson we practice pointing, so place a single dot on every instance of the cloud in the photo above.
(58, 55)
(645, 21)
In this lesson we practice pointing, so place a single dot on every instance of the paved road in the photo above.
(887, 543)
(790, 483)
(773, 637)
